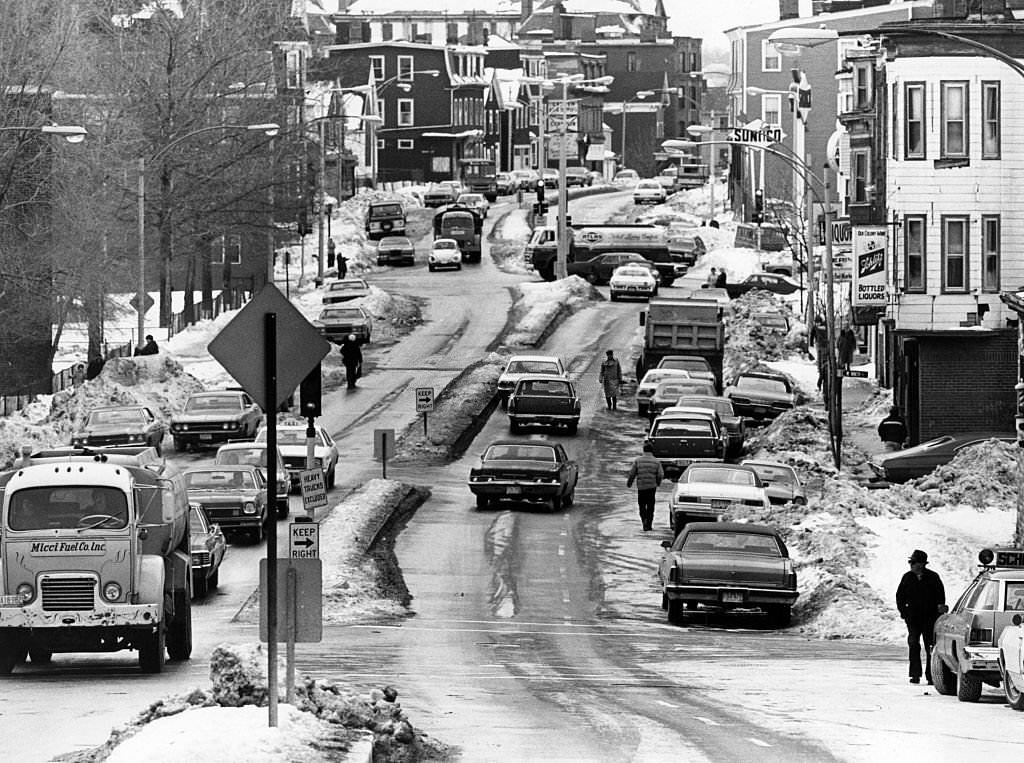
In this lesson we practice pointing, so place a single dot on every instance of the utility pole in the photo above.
(562, 229)
(322, 207)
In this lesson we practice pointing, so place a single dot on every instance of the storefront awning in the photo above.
(595, 153)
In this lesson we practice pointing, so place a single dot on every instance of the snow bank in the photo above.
(538, 307)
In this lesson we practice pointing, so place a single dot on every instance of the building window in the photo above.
(630, 61)
(991, 117)
(680, 63)
(386, 31)
(771, 109)
(405, 112)
(954, 108)
(381, 144)
(913, 254)
(405, 68)
(227, 249)
(863, 78)
(404, 144)
(860, 168)
(913, 121)
(954, 253)
(990, 246)
(451, 32)
(293, 67)
(377, 68)
(771, 61)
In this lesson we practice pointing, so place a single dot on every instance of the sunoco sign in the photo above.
(869, 247)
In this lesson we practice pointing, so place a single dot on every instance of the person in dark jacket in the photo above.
(610, 377)
(646, 471)
(846, 345)
(893, 430)
(920, 599)
(722, 279)
(150, 347)
(352, 358)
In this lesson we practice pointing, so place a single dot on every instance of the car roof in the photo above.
(345, 281)
(538, 441)
(729, 527)
(224, 468)
(541, 377)
(535, 357)
(451, 240)
(116, 408)
(763, 375)
(752, 462)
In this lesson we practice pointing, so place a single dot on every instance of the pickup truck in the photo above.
(678, 440)
(544, 400)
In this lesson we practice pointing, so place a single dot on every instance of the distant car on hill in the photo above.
(773, 282)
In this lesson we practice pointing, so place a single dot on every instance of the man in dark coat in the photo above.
(846, 345)
(150, 347)
(352, 358)
(722, 279)
(646, 471)
(893, 430)
(920, 599)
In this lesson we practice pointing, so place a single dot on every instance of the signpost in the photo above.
(270, 371)
(383, 446)
(424, 404)
(303, 540)
(856, 374)
(314, 490)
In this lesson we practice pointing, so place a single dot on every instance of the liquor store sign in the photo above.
(869, 246)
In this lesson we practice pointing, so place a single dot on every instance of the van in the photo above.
(385, 218)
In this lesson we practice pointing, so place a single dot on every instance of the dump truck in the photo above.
(463, 224)
(95, 557)
(683, 325)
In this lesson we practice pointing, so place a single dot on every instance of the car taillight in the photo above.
(981, 636)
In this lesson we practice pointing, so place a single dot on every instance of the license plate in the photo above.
(719, 504)
(732, 597)
(206, 437)
(760, 409)
(513, 490)
(11, 600)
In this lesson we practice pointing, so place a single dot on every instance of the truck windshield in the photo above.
(68, 508)
(457, 222)
(381, 211)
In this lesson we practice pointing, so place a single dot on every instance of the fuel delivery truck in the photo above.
(94, 557)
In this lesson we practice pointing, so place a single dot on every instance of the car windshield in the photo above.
(220, 480)
(761, 384)
(544, 388)
(779, 475)
(120, 416)
(730, 542)
(532, 367)
(680, 427)
(385, 210)
(719, 475)
(394, 241)
(213, 403)
(346, 286)
(686, 364)
(341, 314)
(649, 184)
(721, 406)
(1014, 596)
(443, 244)
(660, 374)
(68, 508)
(633, 271)
(242, 457)
(520, 453)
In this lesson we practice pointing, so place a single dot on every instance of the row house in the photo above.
(382, 21)
(934, 131)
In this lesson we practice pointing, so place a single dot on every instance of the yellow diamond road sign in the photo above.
(241, 346)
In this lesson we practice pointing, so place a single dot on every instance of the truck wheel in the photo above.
(153, 651)
(258, 533)
(1014, 694)
(968, 686)
(213, 580)
(664, 600)
(569, 498)
(548, 273)
(573, 428)
(675, 610)
(556, 503)
(942, 676)
(641, 409)
(198, 585)
(13, 648)
(180, 445)
(179, 642)
(667, 281)
(781, 615)
(39, 655)
(330, 477)
(482, 501)
(513, 426)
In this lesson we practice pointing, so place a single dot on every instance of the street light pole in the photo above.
(561, 263)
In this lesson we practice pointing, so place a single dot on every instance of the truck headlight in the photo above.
(112, 591)
(26, 592)
(249, 507)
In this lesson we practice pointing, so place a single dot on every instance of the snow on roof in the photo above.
(497, 42)
(612, 29)
(592, 7)
(450, 7)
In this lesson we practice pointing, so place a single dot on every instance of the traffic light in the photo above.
(304, 227)
(758, 216)
(540, 191)
(540, 208)
(309, 393)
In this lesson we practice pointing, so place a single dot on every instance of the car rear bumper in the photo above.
(519, 491)
(754, 410)
(545, 419)
(731, 596)
(981, 660)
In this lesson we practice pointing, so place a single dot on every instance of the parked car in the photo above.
(210, 418)
(680, 439)
(545, 400)
(649, 192)
(919, 460)
(966, 654)
(291, 442)
(734, 426)
(687, 244)
(475, 201)
(440, 194)
(626, 177)
(698, 367)
(530, 471)
(647, 386)
(761, 396)
(728, 565)
(527, 179)
(385, 217)
(705, 490)
(668, 392)
(445, 253)
(550, 178)
(579, 177)
(234, 497)
(121, 425)
(207, 546)
(344, 290)
(599, 269)
(781, 481)
(771, 282)
(507, 183)
(773, 322)
(335, 323)
(255, 454)
(519, 366)
(1011, 661)
(396, 250)
(632, 280)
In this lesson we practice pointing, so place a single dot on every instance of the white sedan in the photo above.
(649, 192)
(293, 447)
(475, 201)
(445, 254)
(1011, 662)
(632, 280)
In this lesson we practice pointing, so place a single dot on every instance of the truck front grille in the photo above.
(61, 594)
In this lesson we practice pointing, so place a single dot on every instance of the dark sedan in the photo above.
(519, 470)
(395, 250)
(773, 282)
(733, 424)
(911, 463)
(336, 323)
(121, 425)
(761, 396)
(234, 497)
(210, 418)
(599, 269)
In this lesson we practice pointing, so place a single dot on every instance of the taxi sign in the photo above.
(424, 399)
(304, 540)
(314, 491)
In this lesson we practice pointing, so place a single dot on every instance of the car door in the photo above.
(954, 627)
(332, 449)
(252, 415)
(569, 469)
(153, 429)
(606, 263)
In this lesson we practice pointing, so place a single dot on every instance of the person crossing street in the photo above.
(647, 473)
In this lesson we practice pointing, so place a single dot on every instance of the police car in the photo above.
(967, 638)
(291, 442)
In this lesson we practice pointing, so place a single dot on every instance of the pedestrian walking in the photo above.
(845, 345)
(342, 265)
(78, 374)
(819, 335)
(149, 348)
(920, 599)
(646, 471)
(893, 430)
(330, 252)
(352, 359)
(611, 379)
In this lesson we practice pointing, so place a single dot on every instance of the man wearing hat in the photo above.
(920, 599)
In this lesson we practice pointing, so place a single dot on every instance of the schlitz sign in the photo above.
(869, 278)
